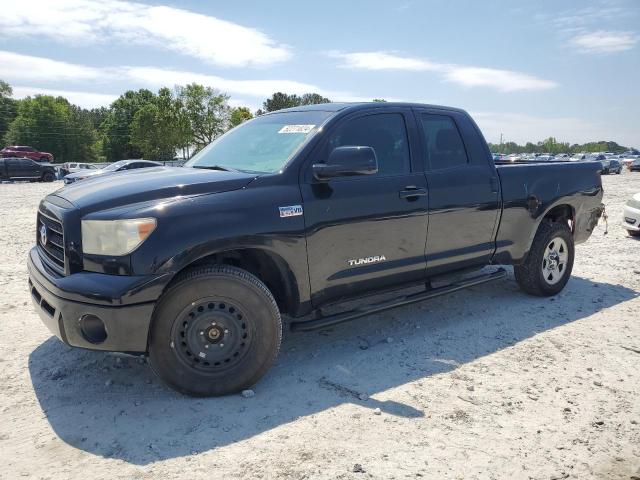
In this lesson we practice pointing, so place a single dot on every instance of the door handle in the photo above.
(493, 181)
(412, 192)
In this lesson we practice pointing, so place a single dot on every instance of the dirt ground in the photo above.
(485, 383)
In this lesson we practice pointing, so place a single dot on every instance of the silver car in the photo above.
(119, 166)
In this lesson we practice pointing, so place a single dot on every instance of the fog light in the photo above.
(93, 329)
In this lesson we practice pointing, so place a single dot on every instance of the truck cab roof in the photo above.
(355, 106)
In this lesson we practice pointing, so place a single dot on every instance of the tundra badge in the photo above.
(363, 261)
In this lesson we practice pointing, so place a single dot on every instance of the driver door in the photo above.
(367, 232)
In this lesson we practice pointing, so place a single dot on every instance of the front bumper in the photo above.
(631, 219)
(124, 304)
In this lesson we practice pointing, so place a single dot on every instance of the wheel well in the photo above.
(270, 268)
(562, 213)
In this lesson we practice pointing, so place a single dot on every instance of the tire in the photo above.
(48, 177)
(216, 331)
(548, 266)
(634, 233)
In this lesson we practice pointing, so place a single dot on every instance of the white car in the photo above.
(631, 216)
(73, 167)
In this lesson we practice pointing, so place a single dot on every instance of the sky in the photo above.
(524, 70)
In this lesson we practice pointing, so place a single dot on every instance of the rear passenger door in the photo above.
(463, 191)
(32, 168)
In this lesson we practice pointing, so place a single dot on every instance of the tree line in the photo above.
(552, 146)
(144, 124)
(138, 124)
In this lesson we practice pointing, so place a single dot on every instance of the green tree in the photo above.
(280, 100)
(154, 129)
(239, 115)
(207, 111)
(313, 99)
(43, 123)
(117, 125)
(82, 136)
(7, 108)
(379, 100)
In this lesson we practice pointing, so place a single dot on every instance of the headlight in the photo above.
(115, 237)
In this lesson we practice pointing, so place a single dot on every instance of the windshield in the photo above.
(262, 145)
(114, 166)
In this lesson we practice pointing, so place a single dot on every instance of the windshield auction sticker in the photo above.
(296, 129)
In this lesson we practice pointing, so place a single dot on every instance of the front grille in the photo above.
(53, 249)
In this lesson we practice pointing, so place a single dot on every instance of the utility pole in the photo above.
(501, 139)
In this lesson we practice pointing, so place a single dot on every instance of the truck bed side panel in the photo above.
(531, 191)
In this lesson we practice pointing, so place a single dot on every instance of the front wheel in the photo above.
(216, 331)
(550, 260)
(48, 177)
(634, 233)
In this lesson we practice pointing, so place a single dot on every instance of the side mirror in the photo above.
(347, 161)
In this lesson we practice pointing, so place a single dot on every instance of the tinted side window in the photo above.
(385, 133)
(443, 143)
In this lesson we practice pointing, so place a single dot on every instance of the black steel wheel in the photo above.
(215, 331)
(212, 334)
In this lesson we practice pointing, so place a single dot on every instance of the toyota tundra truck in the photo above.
(291, 213)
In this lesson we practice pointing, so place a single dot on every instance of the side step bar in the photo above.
(322, 322)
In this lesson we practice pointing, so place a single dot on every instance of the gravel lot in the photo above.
(485, 383)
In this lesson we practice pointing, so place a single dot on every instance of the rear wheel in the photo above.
(216, 331)
(550, 260)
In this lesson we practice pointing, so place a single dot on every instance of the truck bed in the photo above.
(531, 189)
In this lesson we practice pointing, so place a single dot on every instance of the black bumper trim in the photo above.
(127, 326)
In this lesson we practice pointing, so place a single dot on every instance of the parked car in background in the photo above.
(120, 166)
(20, 151)
(579, 157)
(562, 156)
(545, 158)
(631, 216)
(13, 168)
(73, 167)
(635, 166)
(611, 165)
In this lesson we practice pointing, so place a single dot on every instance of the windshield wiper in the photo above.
(216, 167)
(226, 169)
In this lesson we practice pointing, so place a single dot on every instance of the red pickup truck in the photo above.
(26, 152)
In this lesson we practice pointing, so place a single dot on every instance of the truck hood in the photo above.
(147, 184)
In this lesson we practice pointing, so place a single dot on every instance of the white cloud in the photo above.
(503, 80)
(604, 41)
(18, 68)
(157, 77)
(383, 61)
(82, 99)
(27, 67)
(468, 76)
(81, 22)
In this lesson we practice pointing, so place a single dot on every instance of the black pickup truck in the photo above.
(13, 168)
(290, 213)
